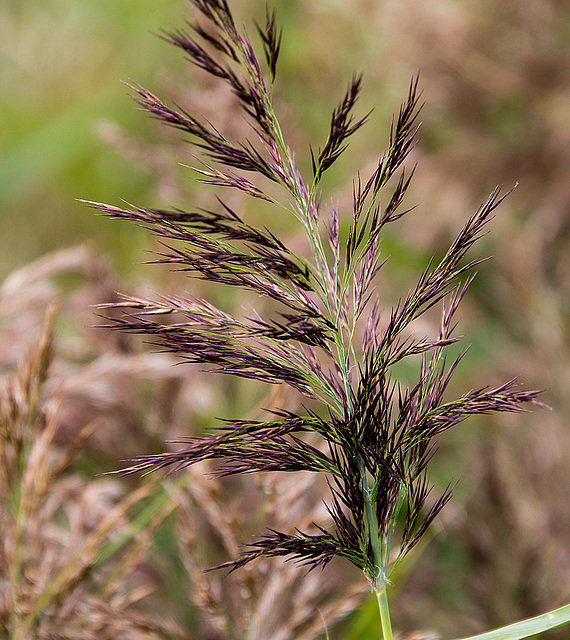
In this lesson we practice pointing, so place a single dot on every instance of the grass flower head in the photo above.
(327, 337)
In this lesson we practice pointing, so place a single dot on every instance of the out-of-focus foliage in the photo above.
(60, 68)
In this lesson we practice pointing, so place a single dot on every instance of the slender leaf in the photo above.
(527, 628)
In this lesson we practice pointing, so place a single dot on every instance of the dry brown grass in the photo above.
(79, 556)
(57, 525)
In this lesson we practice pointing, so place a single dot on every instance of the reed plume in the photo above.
(327, 335)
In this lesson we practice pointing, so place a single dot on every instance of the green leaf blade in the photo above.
(529, 627)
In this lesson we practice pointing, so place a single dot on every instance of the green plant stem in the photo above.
(382, 598)
(372, 526)
(379, 580)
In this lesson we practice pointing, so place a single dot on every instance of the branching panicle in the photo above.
(271, 37)
(307, 550)
(341, 128)
(373, 437)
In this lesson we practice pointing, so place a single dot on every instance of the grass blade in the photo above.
(527, 628)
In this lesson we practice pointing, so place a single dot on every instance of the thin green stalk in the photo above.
(380, 579)
(372, 528)
(382, 598)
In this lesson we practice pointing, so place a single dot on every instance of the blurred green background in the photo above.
(61, 63)
(496, 82)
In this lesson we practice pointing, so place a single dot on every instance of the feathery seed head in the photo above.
(375, 438)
